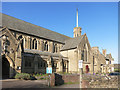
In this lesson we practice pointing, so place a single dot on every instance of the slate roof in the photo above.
(25, 27)
(42, 53)
(72, 43)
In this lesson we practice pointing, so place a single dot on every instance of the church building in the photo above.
(28, 48)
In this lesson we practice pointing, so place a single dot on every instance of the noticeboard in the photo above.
(80, 63)
(49, 70)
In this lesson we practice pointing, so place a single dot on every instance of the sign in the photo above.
(80, 62)
(49, 70)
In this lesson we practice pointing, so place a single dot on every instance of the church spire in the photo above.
(77, 17)
(77, 30)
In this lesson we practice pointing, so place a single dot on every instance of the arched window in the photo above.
(24, 42)
(55, 47)
(30, 43)
(86, 52)
(82, 55)
(20, 37)
(46, 46)
(65, 65)
(35, 44)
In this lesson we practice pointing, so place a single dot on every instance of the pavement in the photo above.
(14, 83)
(68, 86)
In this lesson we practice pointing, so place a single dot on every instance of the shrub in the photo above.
(117, 70)
(43, 78)
(24, 76)
(40, 76)
(32, 77)
(97, 73)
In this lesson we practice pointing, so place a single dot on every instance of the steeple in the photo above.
(77, 30)
(77, 17)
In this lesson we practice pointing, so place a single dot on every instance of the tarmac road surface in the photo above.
(13, 83)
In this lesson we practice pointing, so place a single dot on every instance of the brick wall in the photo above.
(57, 79)
(71, 78)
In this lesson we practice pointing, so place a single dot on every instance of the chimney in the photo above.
(104, 52)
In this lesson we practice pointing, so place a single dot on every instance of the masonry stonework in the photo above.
(31, 49)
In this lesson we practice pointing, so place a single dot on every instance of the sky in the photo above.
(99, 20)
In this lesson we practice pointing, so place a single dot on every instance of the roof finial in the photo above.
(77, 17)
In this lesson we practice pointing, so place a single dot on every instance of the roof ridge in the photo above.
(72, 43)
(74, 38)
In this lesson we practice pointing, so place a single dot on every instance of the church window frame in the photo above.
(33, 44)
(55, 49)
(46, 46)
(86, 52)
(82, 55)
(36, 44)
(30, 43)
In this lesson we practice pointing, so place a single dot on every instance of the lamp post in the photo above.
(80, 65)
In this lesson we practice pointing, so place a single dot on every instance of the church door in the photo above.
(5, 68)
(87, 68)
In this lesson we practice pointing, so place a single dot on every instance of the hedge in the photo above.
(24, 76)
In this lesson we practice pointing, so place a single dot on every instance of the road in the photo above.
(13, 83)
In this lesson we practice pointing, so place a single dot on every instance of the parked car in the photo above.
(114, 74)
